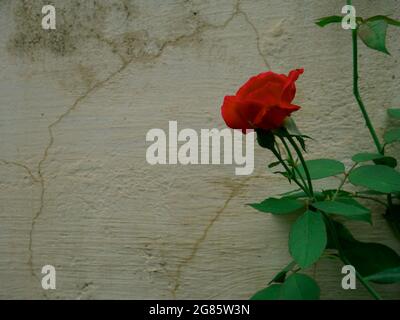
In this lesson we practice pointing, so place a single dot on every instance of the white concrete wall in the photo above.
(76, 104)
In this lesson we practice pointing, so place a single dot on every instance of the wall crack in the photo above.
(40, 177)
(234, 192)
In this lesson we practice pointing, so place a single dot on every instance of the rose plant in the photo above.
(265, 104)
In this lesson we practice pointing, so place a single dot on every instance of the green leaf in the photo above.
(281, 276)
(387, 161)
(386, 18)
(296, 287)
(291, 127)
(322, 22)
(370, 258)
(289, 193)
(349, 211)
(376, 177)
(285, 174)
(341, 231)
(373, 34)
(351, 201)
(386, 276)
(302, 194)
(365, 156)
(392, 136)
(270, 293)
(376, 158)
(367, 258)
(394, 113)
(274, 164)
(371, 192)
(279, 206)
(299, 287)
(307, 238)
(322, 168)
(302, 142)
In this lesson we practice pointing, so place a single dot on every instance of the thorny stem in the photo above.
(330, 225)
(356, 91)
(296, 169)
(380, 149)
(303, 162)
(293, 163)
(279, 157)
(346, 175)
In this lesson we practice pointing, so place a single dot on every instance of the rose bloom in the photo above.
(263, 102)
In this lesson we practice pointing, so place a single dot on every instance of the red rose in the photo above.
(263, 102)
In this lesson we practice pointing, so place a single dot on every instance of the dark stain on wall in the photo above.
(77, 21)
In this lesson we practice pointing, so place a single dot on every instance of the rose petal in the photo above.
(289, 90)
(274, 117)
(264, 101)
(238, 114)
(270, 94)
(258, 82)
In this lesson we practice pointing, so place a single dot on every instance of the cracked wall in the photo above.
(76, 104)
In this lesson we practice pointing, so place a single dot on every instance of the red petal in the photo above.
(289, 90)
(258, 82)
(270, 94)
(274, 117)
(239, 114)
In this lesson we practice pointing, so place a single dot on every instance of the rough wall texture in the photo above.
(76, 104)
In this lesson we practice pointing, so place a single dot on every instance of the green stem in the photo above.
(279, 157)
(347, 262)
(356, 92)
(296, 169)
(346, 175)
(365, 283)
(287, 148)
(303, 162)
